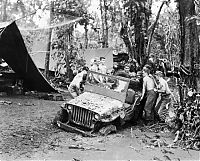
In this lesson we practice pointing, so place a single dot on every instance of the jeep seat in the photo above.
(130, 96)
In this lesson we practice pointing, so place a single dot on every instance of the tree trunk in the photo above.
(190, 55)
(135, 36)
(182, 31)
(68, 47)
(147, 16)
(106, 25)
(102, 22)
(126, 38)
(4, 17)
(67, 53)
(86, 35)
(47, 58)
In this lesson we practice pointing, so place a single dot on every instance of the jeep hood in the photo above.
(97, 103)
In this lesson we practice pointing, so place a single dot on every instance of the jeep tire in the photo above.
(61, 116)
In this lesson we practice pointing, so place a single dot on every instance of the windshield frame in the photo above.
(102, 90)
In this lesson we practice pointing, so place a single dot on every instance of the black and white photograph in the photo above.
(85, 80)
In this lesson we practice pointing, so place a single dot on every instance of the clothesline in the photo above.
(51, 26)
(35, 52)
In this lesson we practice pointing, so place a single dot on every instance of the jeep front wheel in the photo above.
(62, 116)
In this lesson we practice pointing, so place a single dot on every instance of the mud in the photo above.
(27, 133)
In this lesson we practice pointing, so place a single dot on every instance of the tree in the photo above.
(153, 29)
(4, 16)
(47, 57)
(135, 28)
(64, 40)
(167, 34)
(189, 40)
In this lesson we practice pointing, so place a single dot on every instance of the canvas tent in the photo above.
(39, 50)
(40, 44)
(102, 52)
(14, 52)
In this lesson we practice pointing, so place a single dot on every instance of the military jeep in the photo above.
(102, 103)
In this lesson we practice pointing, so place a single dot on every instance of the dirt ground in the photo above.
(26, 133)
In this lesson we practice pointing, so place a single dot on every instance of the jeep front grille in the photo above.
(82, 116)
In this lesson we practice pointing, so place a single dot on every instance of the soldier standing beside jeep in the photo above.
(149, 96)
(165, 95)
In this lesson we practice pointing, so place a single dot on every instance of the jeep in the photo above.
(101, 104)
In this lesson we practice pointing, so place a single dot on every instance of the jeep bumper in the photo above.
(70, 128)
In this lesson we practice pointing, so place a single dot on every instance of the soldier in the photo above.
(102, 66)
(94, 66)
(75, 86)
(165, 95)
(149, 96)
(102, 69)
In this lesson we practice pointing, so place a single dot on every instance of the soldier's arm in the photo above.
(143, 88)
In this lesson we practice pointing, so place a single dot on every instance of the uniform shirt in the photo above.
(77, 80)
(102, 69)
(148, 83)
(94, 68)
(163, 86)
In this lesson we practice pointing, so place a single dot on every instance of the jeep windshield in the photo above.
(107, 85)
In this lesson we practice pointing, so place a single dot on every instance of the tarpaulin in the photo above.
(15, 54)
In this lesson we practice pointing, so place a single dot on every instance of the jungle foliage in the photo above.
(121, 24)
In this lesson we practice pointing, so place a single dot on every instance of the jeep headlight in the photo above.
(190, 93)
(96, 117)
(69, 107)
(63, 105)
